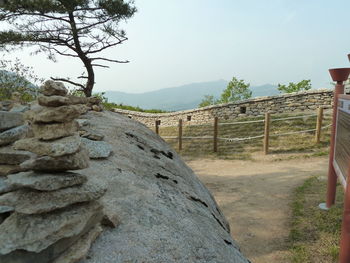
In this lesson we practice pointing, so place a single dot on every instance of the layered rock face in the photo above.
(47, 212)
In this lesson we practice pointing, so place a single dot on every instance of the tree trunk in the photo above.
(91, 78)
(86, 60)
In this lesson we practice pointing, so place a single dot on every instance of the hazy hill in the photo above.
(182, 97)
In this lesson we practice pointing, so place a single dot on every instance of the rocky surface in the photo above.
(97, 149)
(165, 213)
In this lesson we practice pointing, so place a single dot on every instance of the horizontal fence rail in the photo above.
(266, 122)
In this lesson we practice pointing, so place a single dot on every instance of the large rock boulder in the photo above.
(165, 213)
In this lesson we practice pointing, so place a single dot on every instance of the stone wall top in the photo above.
(237, 103)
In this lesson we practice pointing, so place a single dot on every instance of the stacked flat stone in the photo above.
(48, 210)
(12, 128)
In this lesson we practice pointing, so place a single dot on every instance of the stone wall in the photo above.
(285, 103)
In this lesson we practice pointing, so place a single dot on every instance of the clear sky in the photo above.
(176, 42)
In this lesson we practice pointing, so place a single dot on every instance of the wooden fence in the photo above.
(267, 121)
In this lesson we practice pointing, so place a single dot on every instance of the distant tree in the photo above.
(236, 90)
(295, 87)
(207, 101)
(16, 77)
(72, 28)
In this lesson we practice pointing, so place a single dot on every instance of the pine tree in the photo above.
(70, 28)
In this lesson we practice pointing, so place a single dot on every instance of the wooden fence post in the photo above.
(266, 133)
(319, 124)
(157, 127)
(180, 134)
(216, 134)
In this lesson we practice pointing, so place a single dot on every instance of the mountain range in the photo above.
(183, 97)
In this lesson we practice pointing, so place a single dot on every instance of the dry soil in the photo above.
(255, 197)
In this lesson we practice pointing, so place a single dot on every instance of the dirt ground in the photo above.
(255, 198)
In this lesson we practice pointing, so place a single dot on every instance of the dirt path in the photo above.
(255, 198)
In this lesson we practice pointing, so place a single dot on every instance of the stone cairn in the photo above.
(47, 212)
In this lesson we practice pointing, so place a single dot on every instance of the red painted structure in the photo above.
(339, 75)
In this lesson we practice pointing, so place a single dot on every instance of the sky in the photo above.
(177, 42)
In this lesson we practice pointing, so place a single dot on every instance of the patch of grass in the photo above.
(314, 234)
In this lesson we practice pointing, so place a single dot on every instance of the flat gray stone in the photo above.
(44, 181)
(51, 88)
(10, 120)
(54, 148)
(6, 209)
(93, 136)
(6, 169)
(76, 161)
(11, 156)
(68, 113)
(97, 149)
(14, 134)
(35, 233)
(34, 202)
(50, 131)
(53, 101)
(4, 186)
(20, 108)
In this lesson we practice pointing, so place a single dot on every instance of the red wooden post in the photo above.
(338, 75)
(344, 255)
